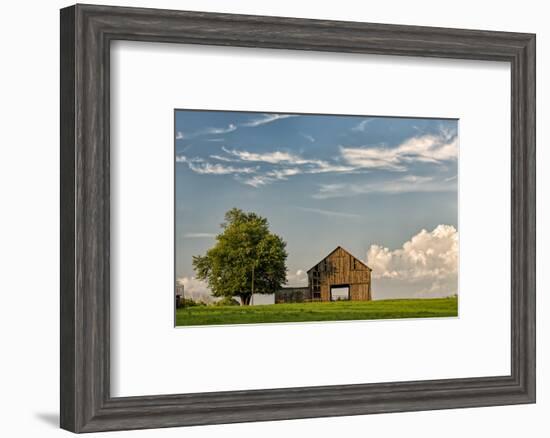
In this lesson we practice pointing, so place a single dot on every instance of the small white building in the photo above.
(178, 294)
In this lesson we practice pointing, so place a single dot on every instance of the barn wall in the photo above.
(325, 292)
(342, 269)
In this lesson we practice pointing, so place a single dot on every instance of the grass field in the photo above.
(328, 311)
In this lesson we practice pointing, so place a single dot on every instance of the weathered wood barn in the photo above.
(339, 276)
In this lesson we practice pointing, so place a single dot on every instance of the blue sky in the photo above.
(320, 180)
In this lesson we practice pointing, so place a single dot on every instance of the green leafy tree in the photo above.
(246, 259)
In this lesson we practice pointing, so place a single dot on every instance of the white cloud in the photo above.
(196, 289)
(266, 118)
(426, 148)
(332, 213)
(219, 169)
(425, 266)
(271, 176)
(372, 158)
(284, 173)
(308, 137)
(405, 184)
(198, 165)
(296, 279)
(222, 158)
(198, 235)
(214, 131)
(208, 131)
(274, 157)
(184, 159)
(257, 180)
(301, 164)
(361, 126)
(326, 167)
(280, 165)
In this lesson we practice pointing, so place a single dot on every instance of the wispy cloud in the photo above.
(406, 184)
(271, 176)
(372, 158)
(219, 169)
(252, 123)
(198, 235)
(216, 131)
(362, 126)
(256, 180)
(185, 159)
(274, 157)
(306, 165)
(223, 158)
(332, 167)
(308, 137)
(283, 165)
(266, 118)
(180, 135)
(425, 149)
(329, 213)
(198, 165)
(276, 165)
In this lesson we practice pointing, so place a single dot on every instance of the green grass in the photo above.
(330, 311)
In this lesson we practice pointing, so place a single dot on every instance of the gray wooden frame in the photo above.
(86, 33)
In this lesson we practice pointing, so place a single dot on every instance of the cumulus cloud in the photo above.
(195, 289)
(297, 278)
(425, 266)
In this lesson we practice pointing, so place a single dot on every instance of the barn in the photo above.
(339, 276)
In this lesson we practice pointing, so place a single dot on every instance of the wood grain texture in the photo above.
(86, 32)
(340, 268)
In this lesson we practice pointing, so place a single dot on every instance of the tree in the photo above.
(247, 258)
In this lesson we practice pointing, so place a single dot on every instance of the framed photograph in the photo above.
(345, 182)
(268, 218)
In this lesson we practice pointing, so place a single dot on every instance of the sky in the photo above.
(383, 188)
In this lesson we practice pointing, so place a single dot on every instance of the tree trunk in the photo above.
(245, 299)
(252, 294)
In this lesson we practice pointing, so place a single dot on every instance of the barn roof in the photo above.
(346, 251)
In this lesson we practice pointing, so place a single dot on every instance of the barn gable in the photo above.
(341, 252)
(340, 270)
